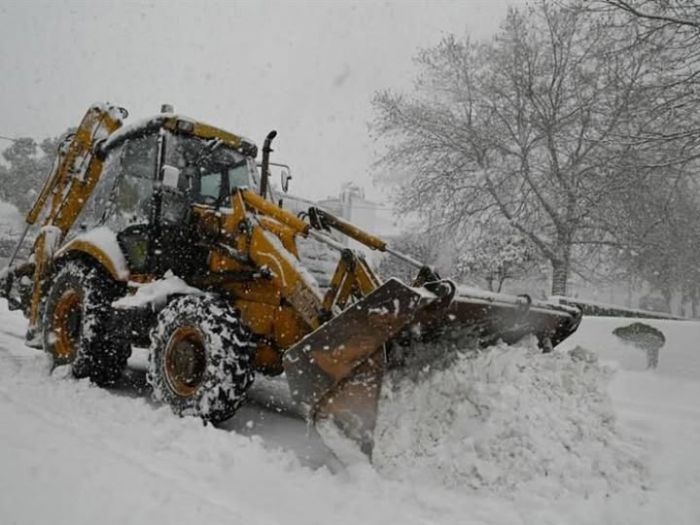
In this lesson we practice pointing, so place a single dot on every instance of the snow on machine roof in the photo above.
(178, 124)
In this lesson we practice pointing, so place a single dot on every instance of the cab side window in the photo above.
(98, 204)
(139, 160)
(239, 175)
(210, 187)
(130, 200)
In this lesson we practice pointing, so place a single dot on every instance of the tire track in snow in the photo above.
(266, 413)
(138, 461)
(91, 438)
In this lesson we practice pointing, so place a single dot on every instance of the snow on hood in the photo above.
(306, 276)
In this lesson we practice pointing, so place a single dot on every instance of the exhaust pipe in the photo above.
(265, 168)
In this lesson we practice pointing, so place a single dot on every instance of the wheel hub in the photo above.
(65, 324)
(185, 361)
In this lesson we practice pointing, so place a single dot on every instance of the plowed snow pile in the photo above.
(504, 420)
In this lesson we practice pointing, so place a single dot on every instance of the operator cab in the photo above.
(207, 170)
(153, 173)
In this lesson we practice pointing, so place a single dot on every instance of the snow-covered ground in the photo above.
(542, 443)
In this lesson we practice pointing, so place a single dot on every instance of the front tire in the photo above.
(200, 361)
(76, 324)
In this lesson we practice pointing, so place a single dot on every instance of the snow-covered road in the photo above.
(73, 453)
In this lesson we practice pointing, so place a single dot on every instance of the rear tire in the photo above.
(76, 324)
(201, 358)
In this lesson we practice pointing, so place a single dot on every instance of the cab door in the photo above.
(130, 207)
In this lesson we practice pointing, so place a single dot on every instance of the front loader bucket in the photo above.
(335, 373)
(494, 316)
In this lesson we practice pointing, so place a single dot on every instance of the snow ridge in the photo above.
(507, 420)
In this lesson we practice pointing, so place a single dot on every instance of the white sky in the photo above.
(307, 69)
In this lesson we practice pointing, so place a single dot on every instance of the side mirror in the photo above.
(171, 176)
(285, 178)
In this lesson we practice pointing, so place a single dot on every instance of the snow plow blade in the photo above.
(335, 373)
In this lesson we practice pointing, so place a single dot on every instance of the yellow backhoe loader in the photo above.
(165, 234)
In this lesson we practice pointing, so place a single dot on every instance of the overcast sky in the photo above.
(307, 69)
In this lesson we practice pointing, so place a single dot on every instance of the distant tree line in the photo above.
(574, 130)
(27, 165)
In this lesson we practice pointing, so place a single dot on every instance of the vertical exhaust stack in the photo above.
(265, 168)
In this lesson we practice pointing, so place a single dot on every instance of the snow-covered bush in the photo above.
(495, 257)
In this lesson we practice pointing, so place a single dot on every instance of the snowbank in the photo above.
(504, 420)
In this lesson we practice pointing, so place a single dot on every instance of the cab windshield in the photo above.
(212, 169)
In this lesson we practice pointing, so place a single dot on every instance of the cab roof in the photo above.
(180, 125)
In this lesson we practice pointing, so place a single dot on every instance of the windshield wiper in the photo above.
(210, 147)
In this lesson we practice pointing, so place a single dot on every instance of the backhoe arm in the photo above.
(78, 167)
(74, 174)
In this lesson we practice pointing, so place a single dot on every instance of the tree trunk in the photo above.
(560, 276)
(501, 280)
(561, 264)
(630, 288)
(668, 297)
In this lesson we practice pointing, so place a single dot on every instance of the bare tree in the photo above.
(666, 33)
(683, 14)
(661, 239)
(532, 128)
(663, 244)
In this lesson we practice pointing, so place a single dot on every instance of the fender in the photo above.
(101, 245)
